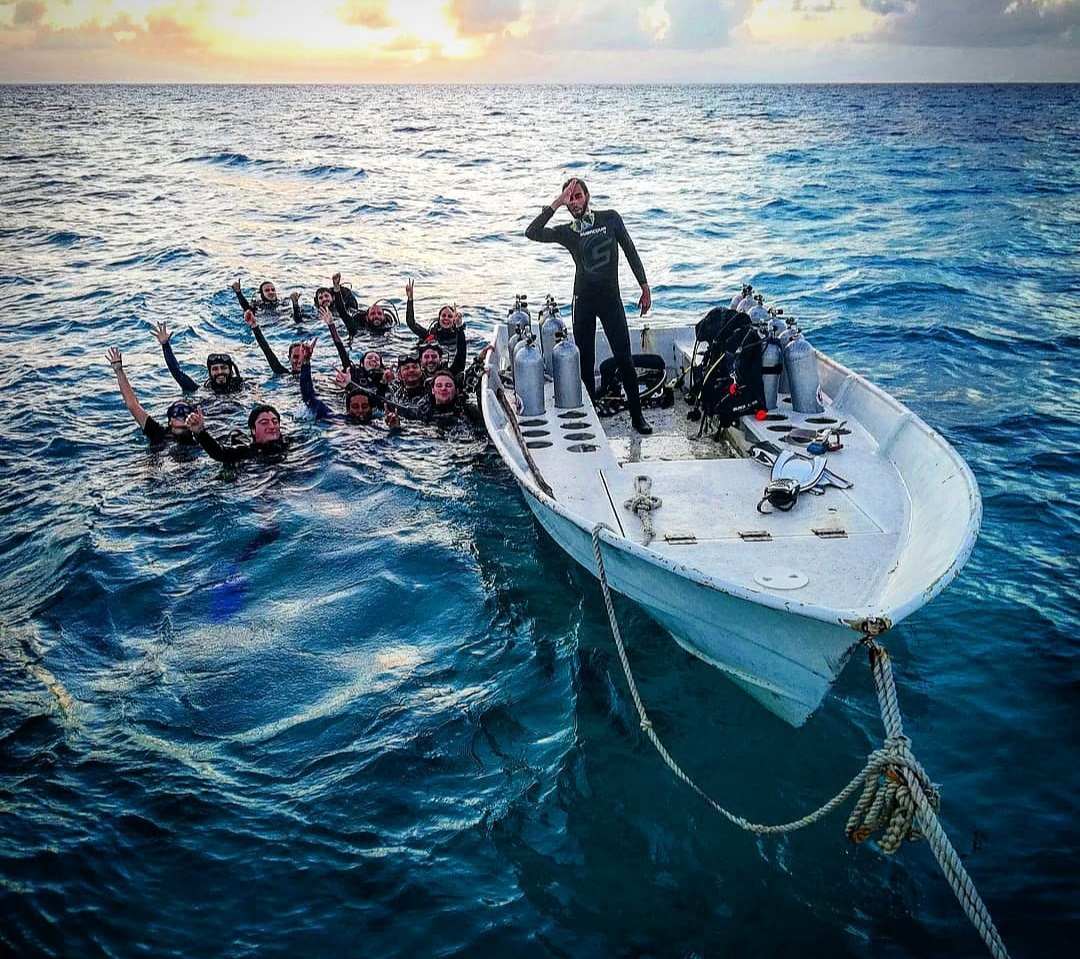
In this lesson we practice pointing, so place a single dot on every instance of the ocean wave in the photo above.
(328, 171)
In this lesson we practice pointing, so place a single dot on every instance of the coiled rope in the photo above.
(642, 503)
(897, 796)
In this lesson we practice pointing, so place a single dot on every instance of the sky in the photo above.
(560, 41)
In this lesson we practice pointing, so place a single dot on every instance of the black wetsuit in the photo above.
(240, 453)
(447, 339)
(275, 364)
(262, 306)
(233, 385)
(356, 321)
(157, 434)
(595, 249)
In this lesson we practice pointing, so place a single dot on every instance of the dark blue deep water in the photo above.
(357, 704)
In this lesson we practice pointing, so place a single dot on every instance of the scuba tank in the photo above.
(784, 332)
(529, 377)
(746, 304)
(772, 365)
(551, 325)
(800, 363)
(739, 297)
(519, 315)
(566, 372)
(759, 314)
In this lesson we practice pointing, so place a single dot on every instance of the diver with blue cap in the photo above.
(175, 416)
(223, 375)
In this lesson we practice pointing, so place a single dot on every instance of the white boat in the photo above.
(778, 601)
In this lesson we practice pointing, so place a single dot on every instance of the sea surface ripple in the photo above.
(359, 704)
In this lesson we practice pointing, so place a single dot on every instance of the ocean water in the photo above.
(358, 704)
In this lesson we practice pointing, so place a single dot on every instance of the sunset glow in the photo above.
(494, 40)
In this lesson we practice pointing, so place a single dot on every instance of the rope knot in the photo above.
(646, 724)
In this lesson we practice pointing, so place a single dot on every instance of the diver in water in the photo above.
(407, 390)
(267, 300)
(377, 318)
(175, 416)
(266, 441)
(593, 238)
(360, 403)
(223, 376)
(443, 328)
(434, 358)
(324, 297)
(444, 404)
(275, 364)
(370, 372)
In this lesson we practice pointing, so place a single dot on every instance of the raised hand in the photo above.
(249, 319)
(116, 361)
(295, 297)
(563, 198)
(195, 421)
(161, 331)
(306, 349)
(409, 289)
(459, 320)
(392, 418)
(236, 286)
(326, 316)
(335, 281)
(645, 302)
(388, 376)
(342, 378)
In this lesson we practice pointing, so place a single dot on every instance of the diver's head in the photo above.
(579, 197)
(444, 389)
(377, 318)
(431, 357)
(222, 371)
(265, 424)
(324, 296)
(408, 370)
(447, 315)
(268, 292)
(296, 356)
(177, 415)
(372, 361)
(358, 404)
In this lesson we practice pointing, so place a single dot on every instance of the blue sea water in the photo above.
(358, 704)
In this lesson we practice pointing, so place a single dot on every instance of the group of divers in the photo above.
(428, 383)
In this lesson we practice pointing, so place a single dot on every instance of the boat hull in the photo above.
(785, 661)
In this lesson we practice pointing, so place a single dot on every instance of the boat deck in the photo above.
(833, 550)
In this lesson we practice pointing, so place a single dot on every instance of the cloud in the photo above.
(372, 14)
(977, 23)
(477, 17)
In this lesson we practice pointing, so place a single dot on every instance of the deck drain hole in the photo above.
(820, 419)
(539, 444)
(575, 425)
(779, 578)
(532, 422)
(535, 432)
(780, 429)
(772, 417)
(572, 415)
(581, 436)
(582, 448)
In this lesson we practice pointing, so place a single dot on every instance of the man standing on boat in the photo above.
(593, 238)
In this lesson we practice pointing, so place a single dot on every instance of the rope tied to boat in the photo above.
(642, 504)
(897, 795)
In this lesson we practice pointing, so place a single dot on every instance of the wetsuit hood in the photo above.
(235, 380)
